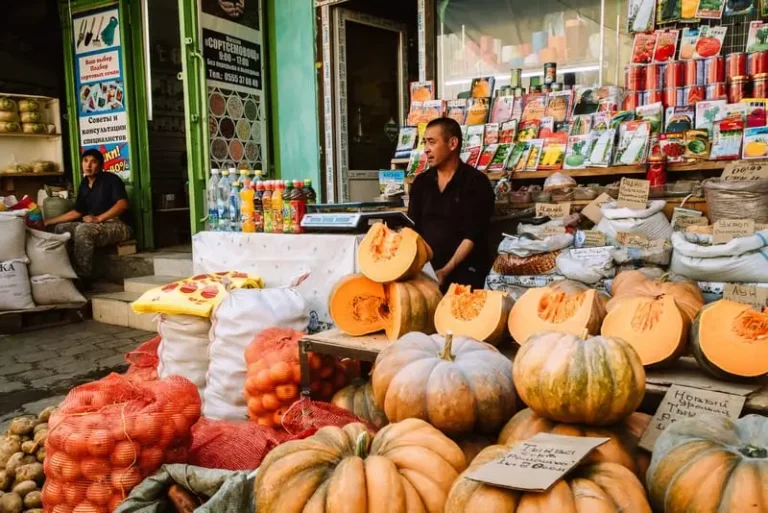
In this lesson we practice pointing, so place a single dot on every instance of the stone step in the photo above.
(177, 265)
(115, 309)
(142, 284)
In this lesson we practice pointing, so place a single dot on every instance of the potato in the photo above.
(28, 458)
(45, 415)
(22, 426)
(31, 472)
(24, 487)
(33, 499)
(14, 462)
(11, 503)
(6, 480)
(43, 426)
(41, 454)
(8, 447)
(29, 447)
(41, 436)
(35, 510)
(13, 437)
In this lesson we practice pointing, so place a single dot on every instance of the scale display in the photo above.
(352, 222)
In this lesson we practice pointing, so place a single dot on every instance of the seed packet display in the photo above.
(503, 109)
(415, 114)
(580, 125)
(757, 40)
(560, 105)
(697, 144)
(499, 161)
(577, 151)
(601, 121)
(642, 48)
(679, 119)
(528, 130)
(422, 91)
(710, 9)
(518, 155)
(755, 143)
(640, 15)
(491, 134)
(586, 100)
(709, 111)
(482, 87)
(727, 135)
(653, 114)
(603, 143)
(756, 112)
(673, 147)
(508, 132)
(668, 11)
(457, 110)
(534, 106)
(433, 109)
(710, 41)
(736, 7)
(472, 155)
(477, 111)
(666, 45)
(406, 141)
(688, 42)
(736, 110)
(486, 156)
(475, 135)
(534, 154)
(634, 139)
(622, 117)
(553, 152)
(547, 127)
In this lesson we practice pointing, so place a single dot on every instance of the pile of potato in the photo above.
(22, 451)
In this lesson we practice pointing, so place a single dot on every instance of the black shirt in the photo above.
(108, 189)
(462, 211)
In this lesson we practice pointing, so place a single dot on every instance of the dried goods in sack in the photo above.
(183, 350)
(649, 222)
(108, 435)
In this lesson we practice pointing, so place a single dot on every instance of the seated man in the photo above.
(101, 212)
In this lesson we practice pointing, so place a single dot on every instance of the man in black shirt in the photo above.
(452, 204)
(100, 216)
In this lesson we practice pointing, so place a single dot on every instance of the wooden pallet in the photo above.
(19, 321)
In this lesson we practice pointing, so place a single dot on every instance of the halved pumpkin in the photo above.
(359, 306)
(565, 307)
(387, 255)
(730, 340)
(656, 328)
(687, 293)
(477, 314)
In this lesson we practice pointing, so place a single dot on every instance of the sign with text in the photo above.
(232, 60)
(726, 230)
(553, 210)
(633, 193)
(593, 256)
(684, 403)
(538, 463)
(682, 223)
(553, 230)
(634, 240)
(745, 171)
(592, 210)
(593, 238)
(756, 297)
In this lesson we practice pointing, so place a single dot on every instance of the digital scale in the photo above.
(343, 221)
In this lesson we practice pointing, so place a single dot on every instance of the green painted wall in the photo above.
(293, 94)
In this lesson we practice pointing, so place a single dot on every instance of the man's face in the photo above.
(437, 146)
(91, 166)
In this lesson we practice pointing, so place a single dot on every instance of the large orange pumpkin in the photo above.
(599, 488)
(596, 381)
(387, 255)
(564, 306)
(622, 447)
(358, 398)
(478, 314)
(730, 340)
(686, 293)
(407, 467)
(457, 384)
(359, 306)
(711, 464)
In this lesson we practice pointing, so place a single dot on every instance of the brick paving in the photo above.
(38, 368)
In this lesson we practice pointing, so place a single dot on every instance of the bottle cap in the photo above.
(215, 171)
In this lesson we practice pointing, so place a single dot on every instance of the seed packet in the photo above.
(421, 129)
(418, 162)
(534, 106)
(755, 43)
(475, 135)
(666, 45)
(764, 8)
(472, 155)
(553, 152)
(547, 127)
(432, 110)
(586, 102)
(457, 110)
(580, 125)
(634, 138)
(668, 11)
(736, 7)
(477, 111)
(422, 91)
(697, 144)
(577, 152)
(709, 111)
(499, 161)
(642, 48)
(653, 114)
(414, 115)
(622, 117)
(482, 87)
(727, 135)
(534, 154)
(601, 121)
(528, 130)
(601, 151)
(673, 147)
(710, 9)
(560, 105)
(688, 42)
(491, 134)
(640, 15)
(735, 110)
(755, 143)
(710, 41)
(688, 11)
(519, 156)
(464, 131)
(756, 112)
(406, 140)
(508, 132)
(487, 156)
(503, 109)
(679, 119)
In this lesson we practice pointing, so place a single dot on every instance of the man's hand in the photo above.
(442, 274)
(91, 219)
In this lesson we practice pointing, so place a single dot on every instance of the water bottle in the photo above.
(234, 201)
(211, 195)
(222, 201)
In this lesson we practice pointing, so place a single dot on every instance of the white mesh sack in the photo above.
(183, 349)
(743, 259)
(649, 222)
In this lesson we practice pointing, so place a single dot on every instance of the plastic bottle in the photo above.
(298, 206)
(247, 194)
(287, 217)
(277, 206)
(309, 192)
(234, 200)
(222, 202)
(266, 202)
(211, 195)
(258, 207)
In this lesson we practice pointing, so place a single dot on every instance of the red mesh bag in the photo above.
(144, 360)
(305, 417)
(274, 375)
(107, 436)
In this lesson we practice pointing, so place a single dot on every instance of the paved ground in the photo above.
(38, 368)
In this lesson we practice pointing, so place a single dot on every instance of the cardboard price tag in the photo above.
(681, 223)
(592, 210)
(744, 171)
(634, 240)
(593, 256)
(633, 193)
(726, 230)
(553, 230)
(756, 297)
(538, 463)
(593, 239)
(684, 403)
(553, 210)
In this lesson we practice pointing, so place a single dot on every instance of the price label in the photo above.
(553, 210)
(633, 193)
(592, 210)
(744, 171)
(683, 222)
(634, 240)
(593, 239)
(726, 230)
(593, 256)
(553, 230)
(756, 297)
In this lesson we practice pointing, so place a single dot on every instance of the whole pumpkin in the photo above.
(621, 448)
(457, 384)
(358, 398)
(407, 467)
(596, 381)
(711, 463)
(686, 293)
(599, 488)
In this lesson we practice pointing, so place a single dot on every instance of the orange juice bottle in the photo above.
(247, 221)
(266, 203)
(277, 206)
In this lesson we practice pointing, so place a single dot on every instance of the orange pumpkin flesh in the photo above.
(600, 488)
(407, 467)
(387, 255)
(635, 283)
(730, 340)
(565, 307)
(656, 328)
(478, 314)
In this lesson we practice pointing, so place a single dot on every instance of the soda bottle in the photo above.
(211, 195)
(277, 207)
(266, 201)
(222, 202)
(309, 192)
(234, 201)
(287, 217)
(258, 208)
(298, 206)
(246, 203)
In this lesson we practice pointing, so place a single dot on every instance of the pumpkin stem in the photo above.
(584, 335)
(361, 445)
(664, 278)
(750, 451)
(447, 346)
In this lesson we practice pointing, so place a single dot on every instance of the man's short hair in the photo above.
(95, 154)
(450, 128)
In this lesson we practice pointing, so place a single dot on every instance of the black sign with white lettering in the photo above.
(232, 60)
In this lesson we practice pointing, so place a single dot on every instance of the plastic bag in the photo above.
(52, 290)
(15, 288)
(527, 245)
(142, 361)
(107, 436)
(743, 259)
(558, 181)
(650, 222)
(13, 235)
(588, 271)
(655, 256)
(183, 350)
(47, 253)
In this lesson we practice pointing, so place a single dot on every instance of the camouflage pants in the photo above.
(86, 237)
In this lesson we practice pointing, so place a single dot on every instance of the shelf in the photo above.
(176, 209)
(396, 162)
(31, 136)
(24, 175)
(582, 203)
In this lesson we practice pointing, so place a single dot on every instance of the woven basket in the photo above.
(737, 199)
